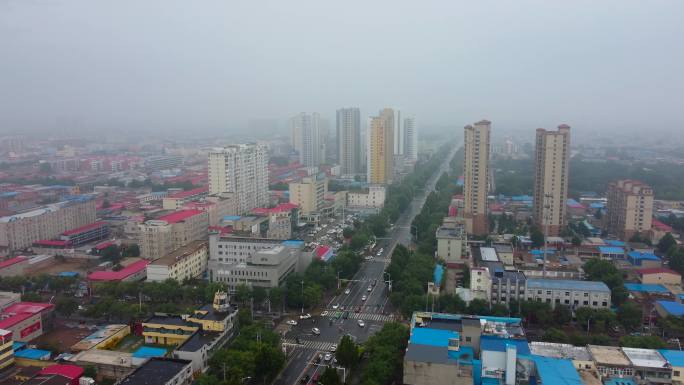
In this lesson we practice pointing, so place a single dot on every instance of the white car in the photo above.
(316, 331)
(364, 298)
(347, 291)
(324, 313)
(327, 357)
(335, 306)
(333, 348)
(291, 322)
(370, 288)
(305, 316)
(361, 323)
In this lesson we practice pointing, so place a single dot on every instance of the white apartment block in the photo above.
(161, 236)
(190, 261)
(452, 244)
(373, 198)
(241, 170)
(19, 231)
(308, 138)
(410, 139)
(349, 150)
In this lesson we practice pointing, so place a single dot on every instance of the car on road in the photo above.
(375, 282)
(370, 288)
(305, 379)
(305, 316)
(364, 298)
(335, 306)
(324, 313)
(327, 357)
(291, 322)
(361, 323)
(316, 331)
(333, 348)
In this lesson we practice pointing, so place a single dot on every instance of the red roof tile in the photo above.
(85, 228)
(189, 193)
(179, 216)
(121, 274)
(12, 261)
(68, 371)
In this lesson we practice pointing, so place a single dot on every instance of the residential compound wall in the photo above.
(19, 231)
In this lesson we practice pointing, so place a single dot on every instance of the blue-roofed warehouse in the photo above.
(651, 288)
(611, 252)
(637, 258)
(667, 308)
(555, 371)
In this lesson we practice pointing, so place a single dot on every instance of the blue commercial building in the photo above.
(637, 258)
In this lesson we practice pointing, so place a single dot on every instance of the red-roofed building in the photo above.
(13, 266)
(179, 216)
(324, 253)
(658, 230)
(659, 275)
(72, 372)
(179, 199)
(134, 272)
(26, 320)
(76, 237)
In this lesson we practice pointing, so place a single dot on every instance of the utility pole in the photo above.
(547, 219)
(302, 297)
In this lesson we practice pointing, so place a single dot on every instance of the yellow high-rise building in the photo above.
(381, 147)
(476, 176)
(551, 166)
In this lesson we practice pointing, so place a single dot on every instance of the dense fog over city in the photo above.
(212, 67)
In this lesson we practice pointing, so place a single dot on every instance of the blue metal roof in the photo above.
(498, 344)
(293, 243)
(646, 287)
(643, 256)
(71, 274)
(32, 354)
(620, 381)
(674, 357)
(555, 371)
(611, 250)
(437, 275)
(672, 307)
(432, 337)
(615, 242)
(566, 284)
(148, 351)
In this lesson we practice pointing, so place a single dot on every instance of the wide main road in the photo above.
(361, 309)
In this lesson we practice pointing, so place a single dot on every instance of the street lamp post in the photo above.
(302, 297)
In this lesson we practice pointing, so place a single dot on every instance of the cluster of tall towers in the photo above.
(388, 142)
(551, 164)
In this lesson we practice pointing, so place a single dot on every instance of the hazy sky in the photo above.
(209, 66)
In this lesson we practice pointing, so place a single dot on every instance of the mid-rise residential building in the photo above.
(188, 262)
(161, 236)
(308, 138)
(163, 162)
(476, 176)
(568, 292)
(381, 147)
(241, 170)
(373, 198)
(6, 350)
(551, 169)
(410, 139)
(629, 209)
(452, 244)
(19, 231)
(177, 200)
(349, 151)
(309, 193)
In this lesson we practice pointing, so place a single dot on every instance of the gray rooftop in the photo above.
(566, 284)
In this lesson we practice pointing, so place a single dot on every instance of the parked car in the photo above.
(305, 316)
(291, 322)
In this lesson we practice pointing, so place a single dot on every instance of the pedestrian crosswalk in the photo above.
(372, 317)
(308, 344)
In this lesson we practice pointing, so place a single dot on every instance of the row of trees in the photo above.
(254, 354)
(385, 351)
(606, 272)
